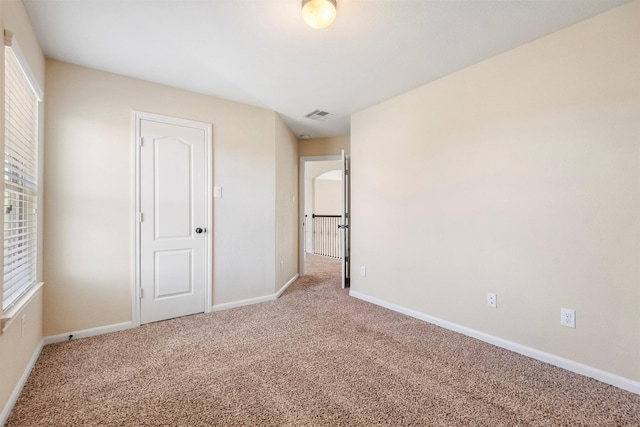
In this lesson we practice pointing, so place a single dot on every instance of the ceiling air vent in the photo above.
(318, 115)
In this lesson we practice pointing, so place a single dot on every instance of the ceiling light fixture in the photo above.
(318, 13)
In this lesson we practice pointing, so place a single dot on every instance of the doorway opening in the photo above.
(324, 215)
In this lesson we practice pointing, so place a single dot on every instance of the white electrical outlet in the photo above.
(568, 317)
(363, 271)
(281, 265)
(492, 300)
(217, 192)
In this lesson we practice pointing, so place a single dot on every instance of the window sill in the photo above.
(12, 313)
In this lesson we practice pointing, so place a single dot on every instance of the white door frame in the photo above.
(301, 199)
(137, 117)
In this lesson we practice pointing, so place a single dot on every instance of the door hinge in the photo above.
(141, 293)
(140, 216)
(141, 141)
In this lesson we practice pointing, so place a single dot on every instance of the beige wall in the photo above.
(16, 349)
(324, 146)
(88, 173)
(327, 197)
(286, 204)
(519, 175)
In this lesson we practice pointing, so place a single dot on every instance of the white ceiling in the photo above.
(260, 52)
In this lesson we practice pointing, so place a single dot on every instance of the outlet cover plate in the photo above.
(568, 317)
(492, 300)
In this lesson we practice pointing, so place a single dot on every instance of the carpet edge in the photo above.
(91, 332)
(256, 300)
(570, 365)
(15, 394)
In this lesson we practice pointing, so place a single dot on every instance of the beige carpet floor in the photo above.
(314, 357)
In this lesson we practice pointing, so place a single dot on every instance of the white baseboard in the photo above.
(4, 415)
(257, 300)
(128, 325)
(241, 303)
(570, 365)
(286, 285)
(84, 333)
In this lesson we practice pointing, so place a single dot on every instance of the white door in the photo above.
(173, 221)
(344, 226)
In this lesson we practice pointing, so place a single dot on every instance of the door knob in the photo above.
(199, 230)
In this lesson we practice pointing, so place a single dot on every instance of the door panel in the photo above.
(344, 227)
(173, 169)
(173, 194)
(173, 273)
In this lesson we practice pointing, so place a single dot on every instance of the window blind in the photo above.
(20, 181)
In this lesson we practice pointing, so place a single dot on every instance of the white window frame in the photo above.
(29, 288)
